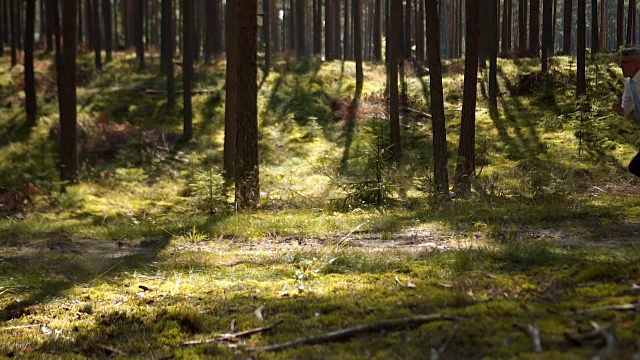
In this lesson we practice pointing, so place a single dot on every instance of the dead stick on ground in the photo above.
(534, 334)
(344, 334)
(20, 327)
(609, 341)
(622, 307)
(230, 336)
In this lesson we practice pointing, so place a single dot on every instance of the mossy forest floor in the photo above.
(138, 258)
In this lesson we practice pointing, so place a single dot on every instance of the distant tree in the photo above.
(506, 27)
(231, 86)
(67, 94)
(581, 80)
(603, 25)
(440, 172)
(139, 31)
(347, 36)
(465, 169)
(187, 68)
(566, 33)
(168, 48)
(522, 26)
(48, 18)
(329, 28)
(547, 37)
(3, 28)
(317, 27)
(595, 33)
(534, 28)
(377, 30)
(620, 24)
(631, 22)
(216, 14)
(108, 29)
(275, 25)
(29, 77)
(406, 51)
(420, 31)
(357, 44)
(247, 179)
(96, 34)
(300, 27)
(492, 32)
(14, 32)
(266, 31)
(394, 105)
(337, 30)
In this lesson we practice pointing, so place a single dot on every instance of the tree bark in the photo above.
(547, 39)
(522, 26)
(394, 105)
(493, 55)
(329, 43)
(357, 45)
(595, 34)
(420, 31)
(67, 95)
(581, 81)
(566, 34)
(230, 108)
(631, 22)
(300, 28)
(187, 71)
(139, 32)
(168, 49)
(247, 194)
(620, 24)
(407, 31)
(534, 28)
(317, 27)
(97, 41)
(440, 156)
(348, 54)
(377, 30)
(29, 76)
(14, 32)
(108, 29)
(465, 169)
(266, 29)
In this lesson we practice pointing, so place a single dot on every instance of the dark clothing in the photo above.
(634, 165)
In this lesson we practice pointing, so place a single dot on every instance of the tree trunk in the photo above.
(95, 31)
(465, 169)
(29, 76)
(67, 95)
(108, 29)
(522, 26)
(595, 34)
(139, 32)
(581, 81)
(566, 33)
(247, 166)
(377, 30)
(348, 54)
(337, 32)
(317, 27)
(231, 86)
(506, 25)
(547, 39)
(168, 49)
(357, 45)
(534, 29)
(420, 31)
(407, 31)
(266, 29)
(329, 43)
(440, 173)
(187, 71)
(394, 111)
(620, 24)
(603, 26)
(14, 32)
(493, 55)
(300, 28)
(275, 26)
(631, 23)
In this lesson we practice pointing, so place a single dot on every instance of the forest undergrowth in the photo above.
(146, 256)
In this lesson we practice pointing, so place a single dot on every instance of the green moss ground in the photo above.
(123, 265)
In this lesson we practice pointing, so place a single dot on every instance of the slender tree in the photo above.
(247, 170)
(547, 37)
(620, 24)
(329, 29)
(95, 32)
(300, 27)
(168, 49)
(377, 30)
(108, 29)
(522, 26)
(29, 77)
(67, 94)
(266, 30)
(347, 37)
(566, 33)
(139, 31)
(534, 28)
(465, 169)
(493, 54)
(394, 105)
(317, 27)
(581, 80)
(595, 33)
(231, 86)
(440, 173)
(506, 28)
(407, 31)
(420, 31)
(187, 71)
(14, 32)
(357, 44)
(631, 22)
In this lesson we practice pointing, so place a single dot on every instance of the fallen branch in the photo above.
(344, 334)
(415, 111)
(534, 334)
(232, 336)
(20, 327)
(178, 92)
(609, 341)
(435, 352)
(622, 307)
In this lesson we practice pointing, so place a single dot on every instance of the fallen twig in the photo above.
(344, 334)
(435, 352)
(111, 268)
(232, 336)
(20, 327)
(534, 334)
(621, 307)
(609, 341)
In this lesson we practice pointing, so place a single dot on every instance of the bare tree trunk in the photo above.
(440, 173)
(566, 34)
(620, 24)
(420, 31)
(522, 26)
(357, 45)
(97, 43)
(108, 30)
(631, 22)
(394, 106)
(547, 39)
(534, 28)
(29, 76)
(317, 27)
(493, 55)
(67, 94)
(595, 39)
(230, 108)
(139, 32)
(329, 27)
(168, 49)
(465, 169)
(377, 30)
(187, 71)
(348, 54)
(581, 81)
(300, 28)
(247, 166)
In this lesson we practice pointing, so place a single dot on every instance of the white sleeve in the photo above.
(627, 99)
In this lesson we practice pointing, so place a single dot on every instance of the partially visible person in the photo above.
(630, 64)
